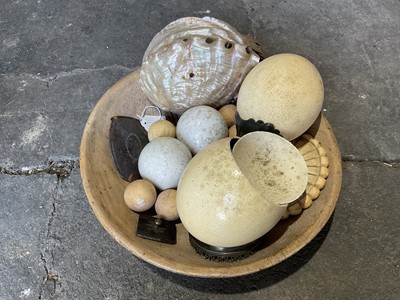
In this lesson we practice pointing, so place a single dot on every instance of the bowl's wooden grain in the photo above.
(104, 189)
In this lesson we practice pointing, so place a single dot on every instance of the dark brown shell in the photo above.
(127, 139)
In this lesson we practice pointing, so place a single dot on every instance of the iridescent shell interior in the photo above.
(196, 61)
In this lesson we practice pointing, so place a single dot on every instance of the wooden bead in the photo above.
(314, 193)
(306, 202)
(324, 161)
(232, 131)
(315, 142)
(321, 151)
(228, 112)
(140, 195)
(161, 128)
(320, 183)
(295, 209)
(324, 172)
(166, 205)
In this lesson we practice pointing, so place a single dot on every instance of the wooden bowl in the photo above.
(105, 188)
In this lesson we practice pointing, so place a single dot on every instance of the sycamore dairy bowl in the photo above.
(104, 189)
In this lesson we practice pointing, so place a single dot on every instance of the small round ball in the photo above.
(295, 209)
(232, 131)
(161, 128)
(228, 112)
(200, 126)
(166, 205)
(162, 162)
(314, 192)
(306, 202)
(324, 161)
(324, 172)
(320, 183)
(140, 195)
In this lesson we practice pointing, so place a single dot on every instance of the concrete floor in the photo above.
(58, 57)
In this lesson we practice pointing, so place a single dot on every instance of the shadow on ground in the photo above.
(259, 280)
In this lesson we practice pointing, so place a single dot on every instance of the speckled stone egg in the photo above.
(200, 126)
(285, 90)
(162, 162)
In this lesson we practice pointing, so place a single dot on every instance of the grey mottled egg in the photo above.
(162, 162)
(200, 126)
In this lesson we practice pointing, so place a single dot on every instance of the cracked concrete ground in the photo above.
(58, 57)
